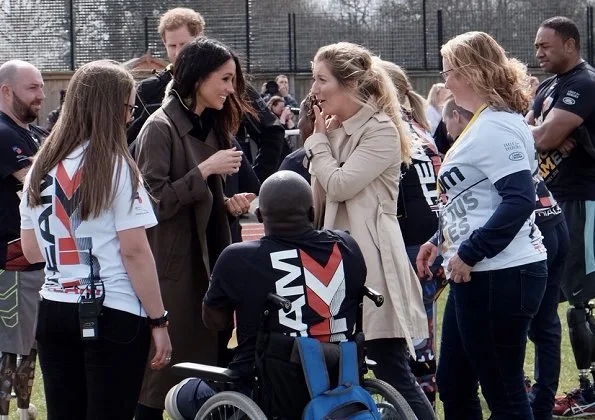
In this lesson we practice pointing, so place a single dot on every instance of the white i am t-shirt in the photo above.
(69, 244)
(496, 145)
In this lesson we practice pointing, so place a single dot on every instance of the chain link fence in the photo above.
(63, 34)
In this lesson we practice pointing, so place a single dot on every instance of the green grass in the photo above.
(568, 375)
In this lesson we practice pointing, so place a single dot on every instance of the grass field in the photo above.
(568, 376)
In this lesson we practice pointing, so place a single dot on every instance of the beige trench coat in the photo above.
(355, 181)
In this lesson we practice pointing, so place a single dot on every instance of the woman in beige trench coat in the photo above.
(355, 156)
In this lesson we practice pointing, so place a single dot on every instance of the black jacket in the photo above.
(149, 95)
(245, 181)
(268, 134)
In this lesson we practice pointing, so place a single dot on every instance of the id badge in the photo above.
(89, 311)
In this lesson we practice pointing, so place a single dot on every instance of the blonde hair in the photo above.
(178, 17)
(353, 65)
(433, 94)
(274, 101)
(407, 96)
(502, 82)
(94, 110)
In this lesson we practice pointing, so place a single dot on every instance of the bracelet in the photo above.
(160, 322)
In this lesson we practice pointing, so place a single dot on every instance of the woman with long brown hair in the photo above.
(84, 212)
(185, 153)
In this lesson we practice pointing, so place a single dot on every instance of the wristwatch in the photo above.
(159, 322)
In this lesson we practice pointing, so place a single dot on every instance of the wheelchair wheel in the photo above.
(391, 404)
(230, 405)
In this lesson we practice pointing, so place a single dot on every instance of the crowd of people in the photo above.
(120, 241)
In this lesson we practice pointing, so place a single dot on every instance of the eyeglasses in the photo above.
(444, 74)
(131, 108)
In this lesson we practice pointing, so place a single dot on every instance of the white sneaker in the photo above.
(171, 400)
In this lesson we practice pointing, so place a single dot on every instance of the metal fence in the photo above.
(63, 34)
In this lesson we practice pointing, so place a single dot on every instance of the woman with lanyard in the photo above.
(492, 250)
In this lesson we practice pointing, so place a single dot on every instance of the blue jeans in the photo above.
(545, 330)
(484, 334)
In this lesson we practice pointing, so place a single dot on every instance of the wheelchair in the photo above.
(229, 404)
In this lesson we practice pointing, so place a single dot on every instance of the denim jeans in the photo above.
(545, 330)
(484, 334)
(93, 380)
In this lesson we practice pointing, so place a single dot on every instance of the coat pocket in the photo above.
(175, 254)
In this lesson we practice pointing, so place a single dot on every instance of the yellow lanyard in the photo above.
(465, 130)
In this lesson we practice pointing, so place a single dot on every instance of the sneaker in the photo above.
(171, 400)
(191, 398)
(573, 405)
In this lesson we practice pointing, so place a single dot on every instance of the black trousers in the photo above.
(91, 380)
(392, 360)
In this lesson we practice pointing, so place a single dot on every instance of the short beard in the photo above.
(23, 111)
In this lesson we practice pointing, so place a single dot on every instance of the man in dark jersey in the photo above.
(563, 121)
(321, 272)
(21, 95)
(177, 27)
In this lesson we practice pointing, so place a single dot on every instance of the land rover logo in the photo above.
(516, 156)
(568, 100)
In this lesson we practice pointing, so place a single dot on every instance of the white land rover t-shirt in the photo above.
(496, 145)
(66, 241)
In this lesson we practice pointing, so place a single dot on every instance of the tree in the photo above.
(35, 31)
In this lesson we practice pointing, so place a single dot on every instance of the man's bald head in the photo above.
(285, 203)
(21, 91)
(14, 70)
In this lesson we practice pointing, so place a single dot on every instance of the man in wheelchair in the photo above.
(322, 273)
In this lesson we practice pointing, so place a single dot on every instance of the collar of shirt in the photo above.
(360, 118)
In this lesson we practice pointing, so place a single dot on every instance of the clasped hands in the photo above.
(228, 162)
(239, 204)
(459, 271)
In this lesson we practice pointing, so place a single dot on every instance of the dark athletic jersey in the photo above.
(417, 205)
(320, 272)
(547, 210)
(571, 177)
(17, 145)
